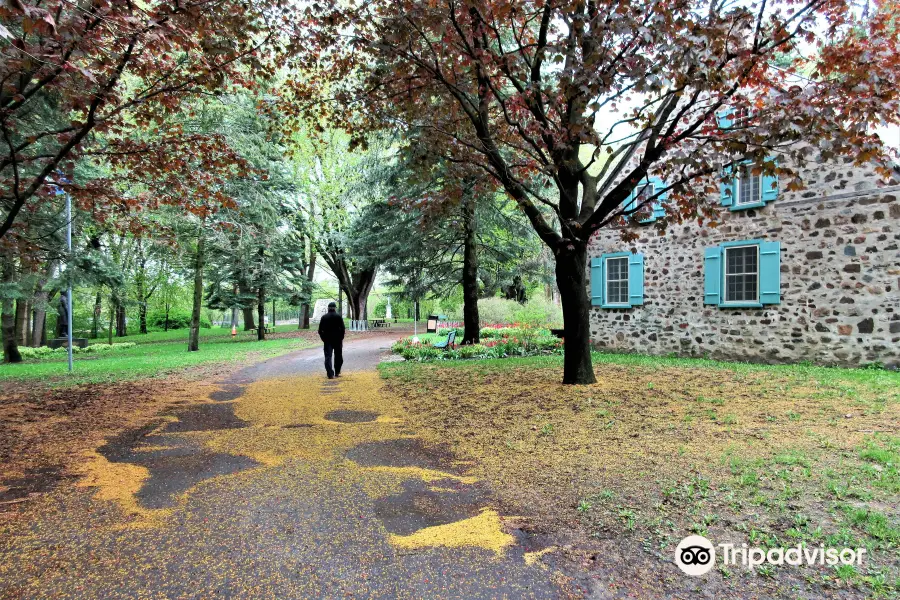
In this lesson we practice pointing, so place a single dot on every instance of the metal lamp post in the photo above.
(69, 276)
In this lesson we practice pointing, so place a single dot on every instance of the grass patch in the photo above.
(763, 455)
(154, 355)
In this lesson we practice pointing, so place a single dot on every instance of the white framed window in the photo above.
(643, 193)
(749, 187)
(742, 274)
(617, 280)
(740, 117)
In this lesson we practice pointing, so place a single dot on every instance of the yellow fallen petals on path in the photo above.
(154, 448)
(532, 557)
(119, 482)
(287, 419)
(426, 475)
(484, 530)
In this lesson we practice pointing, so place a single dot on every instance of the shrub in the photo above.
(47, 352)
(471, 351)
(494, 333)
(103, 348)
(538, 312)
(178, 319)
(492, 311)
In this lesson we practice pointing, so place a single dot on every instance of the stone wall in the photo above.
(840, 281)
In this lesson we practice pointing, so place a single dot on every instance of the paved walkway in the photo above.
(277, 484)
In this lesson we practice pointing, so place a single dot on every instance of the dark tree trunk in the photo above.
(261, 313)
(361, 285)
(121, 330)
(246, 306)
(22, 322)
(303, 321)
(98, 308)
(141, 287)
(142, 316)
(570, 278)
(8, 319)
(340, 302)
(470, 273)
(28, 322)
(39, 316)
(310, 273)
(194, 339)
(234, 309)
(249, 319)
(39, 307)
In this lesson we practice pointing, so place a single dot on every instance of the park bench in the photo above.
(448, 343)
(376, 323)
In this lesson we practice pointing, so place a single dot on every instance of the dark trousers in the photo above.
(337, 349)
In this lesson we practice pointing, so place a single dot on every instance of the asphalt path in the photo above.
(252, 493)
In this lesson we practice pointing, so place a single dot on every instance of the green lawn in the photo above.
(661, 448)
(431, 338)
(157, 353)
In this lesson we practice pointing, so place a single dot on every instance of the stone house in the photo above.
(788, 276)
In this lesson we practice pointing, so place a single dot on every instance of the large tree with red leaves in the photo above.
(79, 77)
(569, 104)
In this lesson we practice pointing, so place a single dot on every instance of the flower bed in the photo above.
(497, 342)
(495, 332)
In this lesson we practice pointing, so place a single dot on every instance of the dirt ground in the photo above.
(615, 474)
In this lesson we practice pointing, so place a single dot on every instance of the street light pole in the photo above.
(69, 274)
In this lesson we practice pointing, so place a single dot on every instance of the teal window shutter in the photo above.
(725, 118)
(712, 275)
(658, 211)
(770, 272)
(769, 185)
(596, 282)
(727, 187)
(636, 279)
(627, 204)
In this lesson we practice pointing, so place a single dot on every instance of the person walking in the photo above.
(331, 331)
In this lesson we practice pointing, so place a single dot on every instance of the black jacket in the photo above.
(331, 328)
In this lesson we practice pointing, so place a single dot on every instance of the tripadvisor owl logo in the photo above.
(695, 555)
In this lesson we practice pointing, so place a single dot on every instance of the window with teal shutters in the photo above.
(765, 263)
(609, 287)
(730, 188)
(712, 275)
(725, 118)
(648, 187)
(596, 281)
